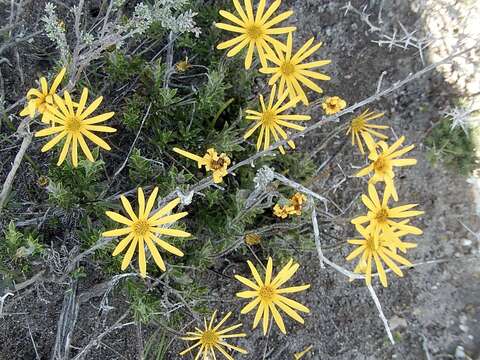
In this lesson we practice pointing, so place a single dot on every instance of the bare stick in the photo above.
(66, 324)
(73, 263)
(299, 187)
(134, 142)
(33, 341)
(316, 234)
(27, 139)
(2, 301)
(140, 347)
(94, 342)
(380, 311)
(38, 276)
(169, 60)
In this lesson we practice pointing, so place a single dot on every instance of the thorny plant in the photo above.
(70, 189)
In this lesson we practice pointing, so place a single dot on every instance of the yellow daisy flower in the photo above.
(37, 100)
(289, 69)
(361, 129)
(268, 295)
(253, 239)
(298, 200)
(217, 164)
(377, 246)
(380, 215)
(183, 65)
(75, 125)
(333, 105)
(143, 228)
(384, 161)
(270, 120)
(255, 30)
(282, 211)
(212, 338)
(395, 235)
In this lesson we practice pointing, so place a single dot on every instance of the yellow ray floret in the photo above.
(377, 248)
(294, 206)
(217, 164)
(282, 211)
(213, 338)
(270, 120)
(38, 99)
(333, 105)
(268, 296)
(380, 215)
(298, 200)
(142, 229)
(361, 129)
(301, 354)
(74, 126)
(291, 71)
(384, 161)
(254, 31)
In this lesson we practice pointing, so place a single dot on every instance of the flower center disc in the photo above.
(254, 32)
(268, 118)
(382, 215)
(287, 68)
(371, 243)
(141, 227)
(380, 164)
(209, 338)
(358, 124)
(73, 124)
(217, 164)
(267, 293)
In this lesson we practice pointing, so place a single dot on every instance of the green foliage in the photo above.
(144, 304)
(156, 346)
(132, 113)
(160, 107)
(121, 67)
(89, 236)
(452, 147)
(140, 170)
(71, 187)
(18, 249)
(211, 96)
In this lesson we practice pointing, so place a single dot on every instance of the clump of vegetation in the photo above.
(174, 169)
(453, 147)
(19, 251)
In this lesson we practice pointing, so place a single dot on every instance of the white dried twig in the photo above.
(316, 234)
(97, 340)
(293, 184)
(380, 311)
(66, 324)
(133, 143)
(27, 139)
(2, 301)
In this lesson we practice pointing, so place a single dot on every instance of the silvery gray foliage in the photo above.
(264, 176)
(463, 117)
(55, 30)
(167, 13)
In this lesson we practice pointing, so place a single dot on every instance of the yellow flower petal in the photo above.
(170, 248)
(119, 218)
(128, 256)
(122, 244)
